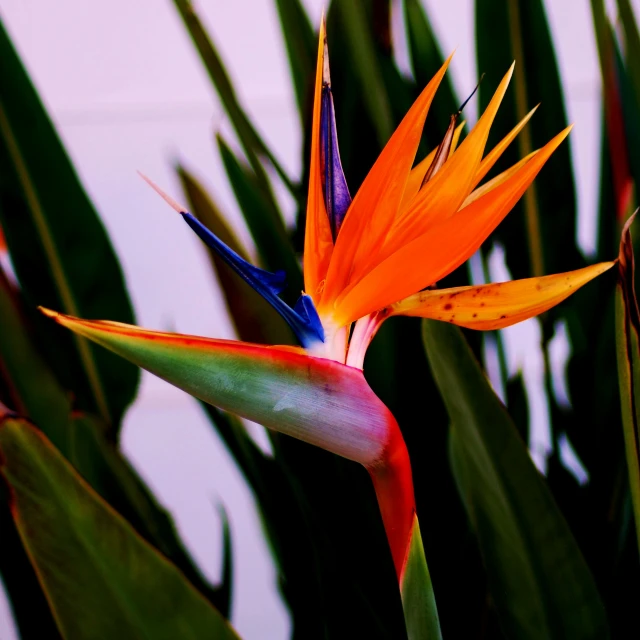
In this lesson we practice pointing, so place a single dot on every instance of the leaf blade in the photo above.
(58, 246)
(125, 587)
(538, 577)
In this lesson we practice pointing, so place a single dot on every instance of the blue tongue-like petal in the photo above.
(303, 319)
(334, 185)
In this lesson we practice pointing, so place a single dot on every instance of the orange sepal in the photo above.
(436, 253)
(494, 155)
(318, 241)
(499, 305)
(374, 206)
(442, 196)
(418, 172)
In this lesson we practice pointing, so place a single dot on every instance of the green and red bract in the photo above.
(317, 400)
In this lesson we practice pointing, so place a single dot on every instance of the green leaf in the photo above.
(300, 41)
(628, 351)
(98, 461)
(102, 580)
(254, 318)
(508, 30)
(418, 600)
(539, 581)
(34, 391)
(632, 42)
(367, 67)
(29, 606)
(225, 589)
(426, 59)
(251, 141)
(263, 219)
(58, 246)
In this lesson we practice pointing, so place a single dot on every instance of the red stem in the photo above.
(393, 484)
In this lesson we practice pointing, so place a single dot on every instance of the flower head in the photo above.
(365, 259)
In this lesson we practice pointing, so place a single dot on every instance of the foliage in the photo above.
(511, 553)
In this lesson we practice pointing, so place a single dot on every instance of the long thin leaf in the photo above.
(251, 141)
(58, 246)
(628, 350)
(367, 68)
(263, 219)
(102, 580)
(539, 581)
(301, 48)
(35, 392)
(109, 474)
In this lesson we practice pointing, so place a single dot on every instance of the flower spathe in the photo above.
(364, 260)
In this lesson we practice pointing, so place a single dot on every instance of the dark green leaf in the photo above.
(102, 580)
(301, 51)
(29, 606)
(35, 393)
(544, 236)
(252, 143)
(628, 350)
(60, 250)
(112, 477)
(367, 67)
(632, 42)
(263, 219)
(426, 59)
(539, 581)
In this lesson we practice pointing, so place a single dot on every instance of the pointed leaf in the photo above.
(101, 579)
(59, 248)
(29, 606)
(107, 471)
(539, 581)
(628, 351)
(418, 600)
(301, 45)
(426, 59)
(34, 390)
(360, 42)
(508, 30)
(263, 220)
(251, 141)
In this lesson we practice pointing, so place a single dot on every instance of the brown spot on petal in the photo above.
(448, 306)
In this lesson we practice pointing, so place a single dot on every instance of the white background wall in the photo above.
(127, 92)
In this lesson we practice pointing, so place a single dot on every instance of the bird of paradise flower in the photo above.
(365, 259)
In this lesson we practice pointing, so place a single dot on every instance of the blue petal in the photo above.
(307, 310)
(334, 185)
(303, 319)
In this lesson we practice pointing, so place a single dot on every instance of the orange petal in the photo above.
(375, 205)
(442, 196)
(495, 306)
(434, 254)
(497, 181)
(418, 172)
(493, 156)
(318, 242)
